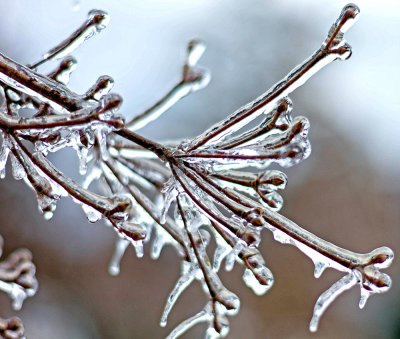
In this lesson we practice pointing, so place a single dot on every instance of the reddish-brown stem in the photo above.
(212, 291)
(148, 144)
(201, 205)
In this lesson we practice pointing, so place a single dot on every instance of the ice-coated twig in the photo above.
(193, 79)
(97, 20)
(334, 47)
(100, 112)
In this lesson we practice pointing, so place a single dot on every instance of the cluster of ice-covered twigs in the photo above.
(215, 186)
(17, 279)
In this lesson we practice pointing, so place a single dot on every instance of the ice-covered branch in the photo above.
(193, 79)
(97, 20)
(180, 193)
(333, 48)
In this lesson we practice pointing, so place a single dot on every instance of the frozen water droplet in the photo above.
(47, 205)
(264, 276)
(91, 214)
(48, 215)
(319, 268)
(138, 248)
(103, 86)
(120, 248)
(63, 72)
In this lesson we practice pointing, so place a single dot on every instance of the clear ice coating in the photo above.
(97, 20)
(194, 78)
(184, 194)
(347, 282)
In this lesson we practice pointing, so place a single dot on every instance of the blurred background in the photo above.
(347, 192)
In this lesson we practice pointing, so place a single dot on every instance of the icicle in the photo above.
(194, 217)
(120, 248)
(47, 204)
(170, 193)
(365, 294)
(82, 142)
(320, 261)
(138, 245)
(4, 152)
(320, 267)
(161, 238)
(18, 171)
(83, 160)
(188, 271)
(101, 134)
(326, 298)
(93, 175)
